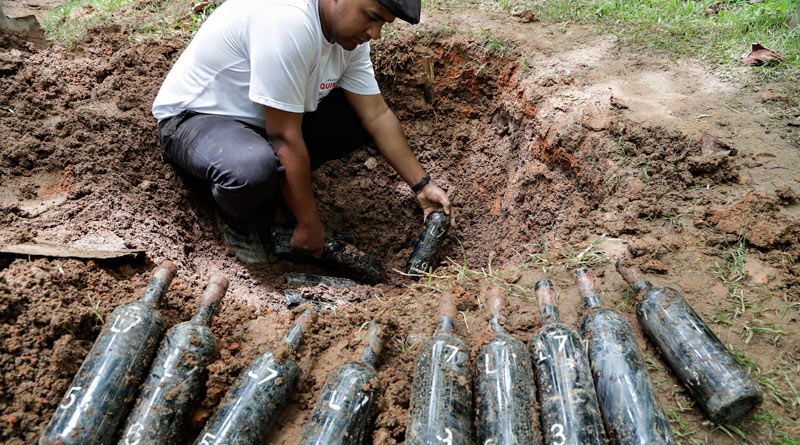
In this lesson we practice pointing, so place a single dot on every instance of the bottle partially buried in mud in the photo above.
(567, 400)
(627, 399)
(336, 252)
(504, 392)
(441, 395)
(716, 380)
(436, 225)
(98, 399)
(175, 380)
(348, 400)
(249, 408)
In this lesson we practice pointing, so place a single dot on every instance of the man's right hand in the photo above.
(284, 130)
(309, 238)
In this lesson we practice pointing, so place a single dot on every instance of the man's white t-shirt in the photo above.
(251, 53)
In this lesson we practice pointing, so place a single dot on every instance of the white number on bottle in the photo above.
(559, 433)
(270, 376)
(70, 397)
(117, 326)
(542, 357)
(562, 339)
(206, 438)
(448, 439)
(134, 434)
(332, 404)
(453, 354)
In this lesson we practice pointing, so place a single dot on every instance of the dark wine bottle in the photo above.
(175, 381)
(567, 400)
(441, 394)
(348, 400)
(504, 393)
(721, 386)
(631, 411)
(249, 408)
(436, 225)
(100, 395)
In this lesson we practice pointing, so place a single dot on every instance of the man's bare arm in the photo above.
(285, 133)
(381, 123)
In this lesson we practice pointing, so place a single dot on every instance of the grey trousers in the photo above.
(237, 161)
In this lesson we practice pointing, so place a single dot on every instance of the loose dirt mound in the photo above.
(531, 171)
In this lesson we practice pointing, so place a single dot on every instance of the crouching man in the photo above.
(270, 89)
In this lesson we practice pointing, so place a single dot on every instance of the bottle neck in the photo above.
(593, 300)
(444, 325)
(155, 291)
(205, 313)
(294, 338)
(496, 323)
(368, 356)
(641, 286)
(549, 314)
(374, 345)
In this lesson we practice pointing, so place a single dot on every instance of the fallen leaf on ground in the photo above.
(714, 8)
(713, 146)
(526, 16)
(759, 56)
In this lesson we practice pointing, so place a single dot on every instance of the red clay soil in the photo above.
(80, 165)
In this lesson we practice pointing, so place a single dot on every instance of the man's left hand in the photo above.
(431, 197)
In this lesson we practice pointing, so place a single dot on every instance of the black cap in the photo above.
(407, 10)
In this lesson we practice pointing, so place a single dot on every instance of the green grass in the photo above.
(677, 26)
(148, 20)
(60, 27)
(684, 28)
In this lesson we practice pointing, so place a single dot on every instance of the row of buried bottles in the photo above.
(584, 388)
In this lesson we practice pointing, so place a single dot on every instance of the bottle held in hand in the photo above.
(504, 392)
(250, 406)
(717, 381)
(628, 401)
(441, 395)
(430, 238)
(100, 395)
(347, 402)
(567, 400)
(172, 388)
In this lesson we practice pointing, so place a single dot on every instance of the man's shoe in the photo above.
(241, 236)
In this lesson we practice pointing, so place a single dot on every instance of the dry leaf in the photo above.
(759, 56)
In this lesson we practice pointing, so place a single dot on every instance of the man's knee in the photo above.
(252, 168)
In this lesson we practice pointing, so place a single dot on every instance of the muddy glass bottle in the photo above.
(175, 380)
(567, 400)
(436, 225)
(99, 396)
(717, 381)
(441, 394)
(249, 408)
(504, 392)
(631, 411)
(347, 402)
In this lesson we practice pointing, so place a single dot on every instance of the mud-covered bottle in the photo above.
(430, 237)
(721, 386)
(346, 405)
(336, 252)
(631, 411)
(249, 408)
(567, 400)
(175, 380)
(504, 392)
(441, 394)
(100, 395)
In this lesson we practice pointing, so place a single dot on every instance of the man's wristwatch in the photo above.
(422, 183)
